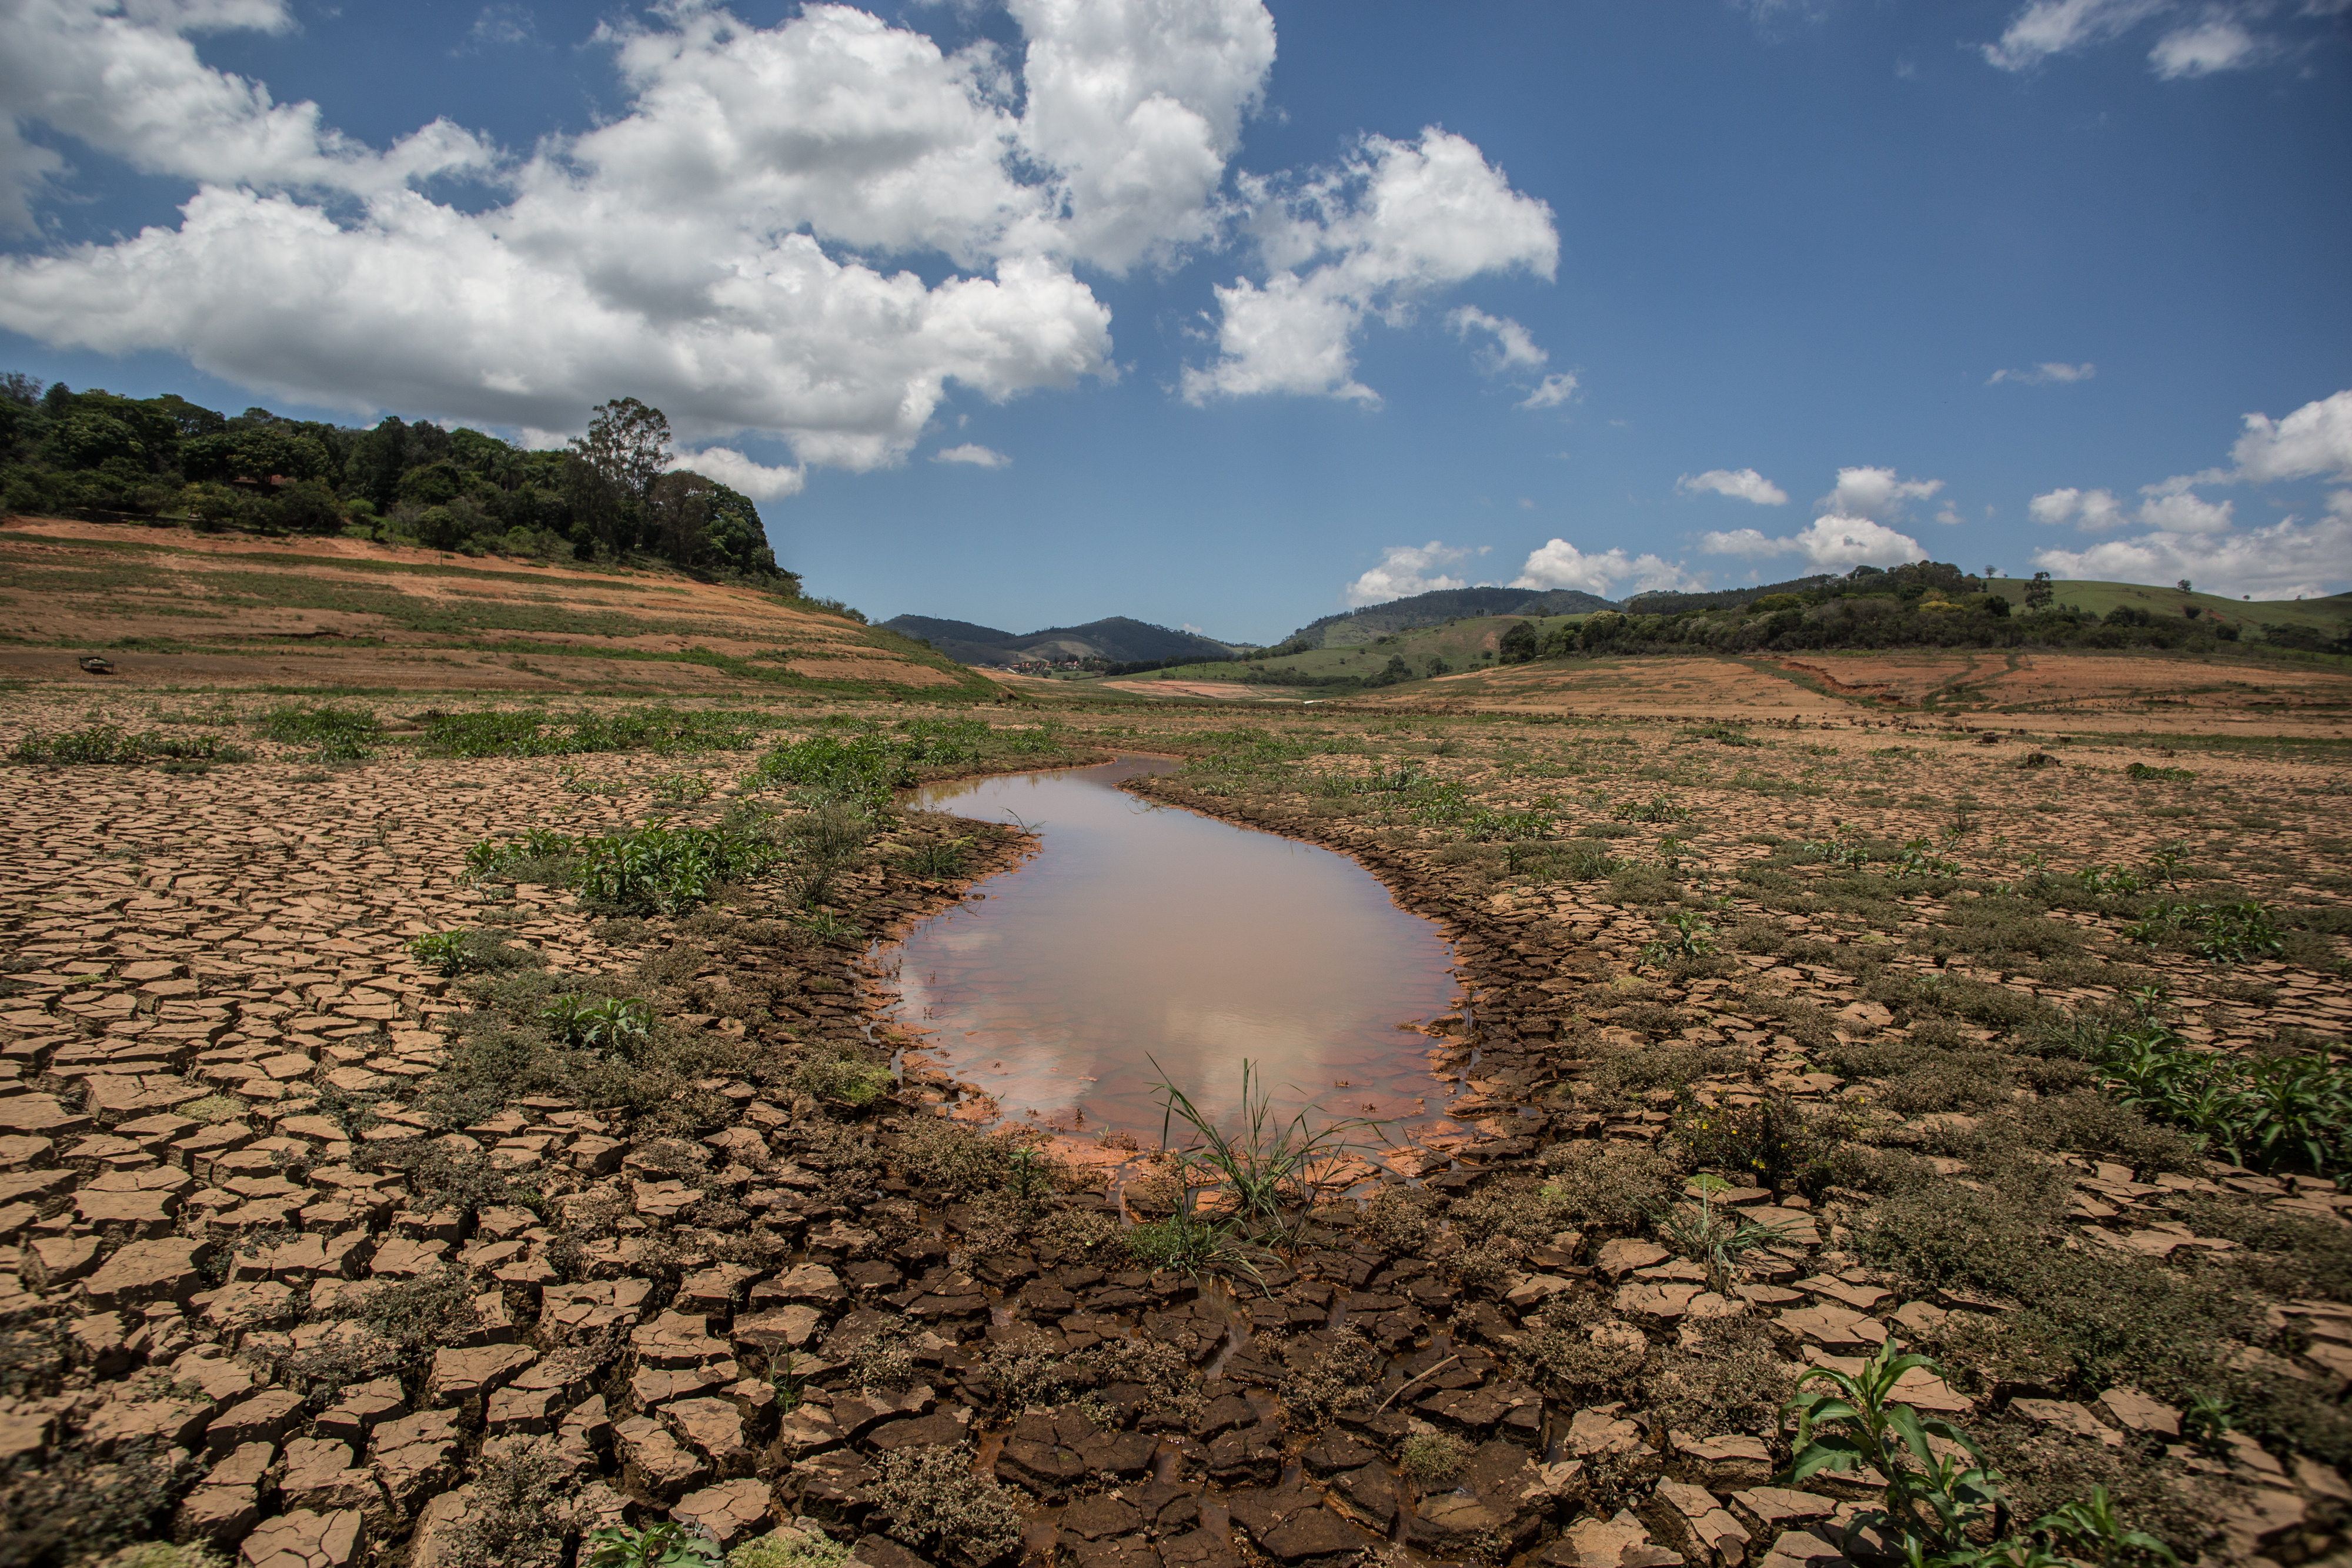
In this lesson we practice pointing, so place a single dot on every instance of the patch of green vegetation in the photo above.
(111, 744)
(660, 729)
(333, 734)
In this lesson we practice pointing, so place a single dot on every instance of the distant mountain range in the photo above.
(1116, 638)
(1374, 622)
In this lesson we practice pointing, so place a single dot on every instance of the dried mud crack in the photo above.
(324, 1256)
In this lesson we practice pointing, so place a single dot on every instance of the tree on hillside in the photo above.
(628, 445)
(1518, 643)
(610, 493)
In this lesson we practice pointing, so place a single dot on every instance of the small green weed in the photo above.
(682, 789)
(1683, 935)
(466, 951)
(2142, 771)
(611, 1023)
(939, 860)
(1656, 809)
(658, 1545)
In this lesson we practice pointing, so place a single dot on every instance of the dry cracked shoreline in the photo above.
(745, 1307)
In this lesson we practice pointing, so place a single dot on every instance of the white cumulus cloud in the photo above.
(2172, 508)
(2315, 439)
(735, 243)
(1407, 570)
(1876, 493)
(2287, 559)
(736, 472)
(126, 79)
(1558, 564)
(1394, 222)
(1740, 484)
(2190, 536)
(2089, 509)
(972, 453)
(2049, 373)
(1140, 104)
(1830, 544)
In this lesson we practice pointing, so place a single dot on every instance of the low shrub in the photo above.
(932, 1499)
(524, 1503)
(648, 869)
(1610, 1187)
(1773, 1142)
(789, 1548)
(1432, 1459)
(840, 1072)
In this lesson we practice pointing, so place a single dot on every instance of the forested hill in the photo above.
(1375, 622)
(610, 494)
(1117, 639)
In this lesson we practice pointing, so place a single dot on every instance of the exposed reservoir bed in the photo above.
(1141, 933)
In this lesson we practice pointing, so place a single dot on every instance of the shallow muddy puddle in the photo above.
(1140, 933)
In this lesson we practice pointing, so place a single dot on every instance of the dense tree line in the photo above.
(1925, 604)
(611, 494)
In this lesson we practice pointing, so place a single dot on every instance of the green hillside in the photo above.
(2332, 615)
(1359, 628)
(1458, 644)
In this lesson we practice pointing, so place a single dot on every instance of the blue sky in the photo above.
(1227, 314)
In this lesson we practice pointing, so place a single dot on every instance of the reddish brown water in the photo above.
(1141, 934)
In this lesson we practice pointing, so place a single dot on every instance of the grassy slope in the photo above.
(1458, 644)
(2333, 613)
(166, 591)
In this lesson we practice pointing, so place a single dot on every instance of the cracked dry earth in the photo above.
(736, 1305)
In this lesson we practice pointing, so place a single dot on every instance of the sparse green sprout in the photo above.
(828, 927)
(2206, 1422)
(1656, 809)
(2112, 879)
(1916, 860)
(2143, 772)
(2224, 932)
(682, 789)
